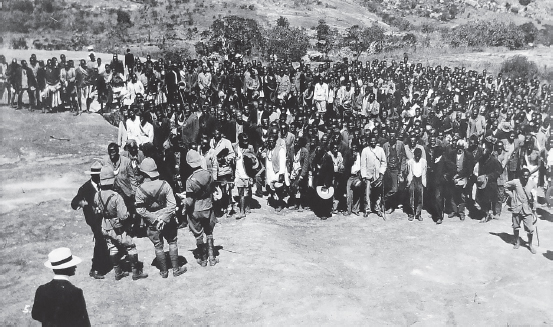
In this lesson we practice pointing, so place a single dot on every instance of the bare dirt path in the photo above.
(288, 268)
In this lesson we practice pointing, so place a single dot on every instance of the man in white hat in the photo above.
(58, 302)
(116, 223)
(155, 203)
(85, 199)
(199, 207)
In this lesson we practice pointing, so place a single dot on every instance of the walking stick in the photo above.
(535, 221)
(383, 200)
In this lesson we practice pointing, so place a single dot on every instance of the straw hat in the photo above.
(94, 169)
(61, 258)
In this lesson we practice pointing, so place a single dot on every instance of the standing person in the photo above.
(115, 225)
(373, 167)
(275, 178)
(224, 152)
(25, 81)
(84, 199)
(242, 181)
(60, 303)
(395, 155)
(523, 194)
(199, 206)
(440, 171)
(156, 204)
(4, 83)
(129, 62)
(354, 186)
(416, 182)
(464, 164)
(299, 174)
(488, 171)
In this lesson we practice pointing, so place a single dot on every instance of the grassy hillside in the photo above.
(152, 26)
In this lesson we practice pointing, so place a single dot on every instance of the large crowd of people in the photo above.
(341, 138)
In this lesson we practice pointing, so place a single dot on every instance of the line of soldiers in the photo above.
(125, 198)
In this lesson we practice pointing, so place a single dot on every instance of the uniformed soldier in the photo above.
(199, 207)
(115, 224)
(155, 203)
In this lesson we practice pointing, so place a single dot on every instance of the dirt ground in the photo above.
(275, 269)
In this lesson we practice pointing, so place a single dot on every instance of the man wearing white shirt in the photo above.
(416, 181)
(373, 167)
(275, 165)
(320, 94)
(146, 130)
(133, 125)
(133, 88)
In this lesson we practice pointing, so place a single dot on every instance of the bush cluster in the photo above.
(487, 34)
(519, 66)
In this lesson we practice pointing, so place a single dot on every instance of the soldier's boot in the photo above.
(242, 208)
(202, 252)
(174, 255)
(137, 272)
(162, 263)
(530, 247)
(119, 273)
(212, 260)
(516, 244)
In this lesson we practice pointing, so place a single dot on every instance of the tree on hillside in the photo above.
(359, 39)
(327, 38)
(283, 22)
(287, 42)
(123, 18)
(236, 34)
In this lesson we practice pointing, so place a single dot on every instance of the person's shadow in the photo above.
(548, 255)
(544, 215)
(507, 238)
(182, 261)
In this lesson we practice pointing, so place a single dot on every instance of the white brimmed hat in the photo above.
(325, 193)
(61, 258)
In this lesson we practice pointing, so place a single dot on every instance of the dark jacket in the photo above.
(31, 80)
(60, 303)
(87, 192)
(439, 173)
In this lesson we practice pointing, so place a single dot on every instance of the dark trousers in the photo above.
(436, 205)
(416, 194)
(100, 259)
(353, 196)
(458, 199)
(391, 187)
(31, 94)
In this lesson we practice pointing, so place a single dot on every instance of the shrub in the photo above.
(519, 66)
(530, 32)
(25, 6)
(123, 18)
(524, 2)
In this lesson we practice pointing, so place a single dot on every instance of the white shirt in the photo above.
(356, 165)
(146, 134)
(271, 175)
(240, 171)
(417, 168)
(133, 129)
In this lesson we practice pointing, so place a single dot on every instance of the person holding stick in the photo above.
(523, 194)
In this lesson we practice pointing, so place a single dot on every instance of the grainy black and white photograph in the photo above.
(276, 162)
